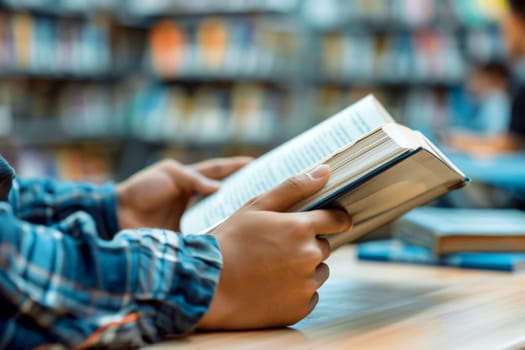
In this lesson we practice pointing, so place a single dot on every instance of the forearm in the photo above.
(78, 289)
(45, 202)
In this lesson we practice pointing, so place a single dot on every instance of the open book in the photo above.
(380, 170)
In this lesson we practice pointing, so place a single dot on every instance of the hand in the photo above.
(273, 259)
(158, 196)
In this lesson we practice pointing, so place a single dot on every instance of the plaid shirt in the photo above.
(67, 277)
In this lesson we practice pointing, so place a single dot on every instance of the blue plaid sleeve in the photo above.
(47, 201)
(63, 284)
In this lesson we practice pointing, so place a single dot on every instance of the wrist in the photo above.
(212, 317)
(217, 313)
(104, 209)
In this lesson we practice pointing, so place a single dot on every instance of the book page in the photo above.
(289, 159)
(412, 182)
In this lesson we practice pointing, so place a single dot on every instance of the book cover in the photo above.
(448, 230)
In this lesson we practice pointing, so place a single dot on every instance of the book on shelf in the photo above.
(399, 252)
(74, 165)
(448, 230)
(34, 45)
(63, 6)
(215, 48)
(380, 170)
(204, 7)
(476, 13)
(419, 56)
(403, 14)
(247, 113)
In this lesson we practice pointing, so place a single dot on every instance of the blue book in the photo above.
(397, 251)
(447, 230)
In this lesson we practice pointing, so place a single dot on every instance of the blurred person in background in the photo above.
(497, 141)
(488, 85)
(493, 132)
(514, 30)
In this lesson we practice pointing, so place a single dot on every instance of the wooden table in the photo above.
(390, 306)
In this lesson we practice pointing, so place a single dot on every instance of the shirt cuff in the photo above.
(108, 202)
(196, 276)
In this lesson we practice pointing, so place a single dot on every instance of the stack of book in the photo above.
(470, 238)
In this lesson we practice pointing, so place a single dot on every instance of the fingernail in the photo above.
(319, 171)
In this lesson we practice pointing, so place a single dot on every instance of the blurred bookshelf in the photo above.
(96, 89)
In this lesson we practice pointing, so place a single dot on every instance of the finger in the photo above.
(322, 272)
(190, 179)
(313, 303)
(331, 221)
(304, 309)
(293, 190)
(326, 221)
(221, 167)
(324, 246)
(200, 183)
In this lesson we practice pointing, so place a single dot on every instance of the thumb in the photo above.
(294, 190)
